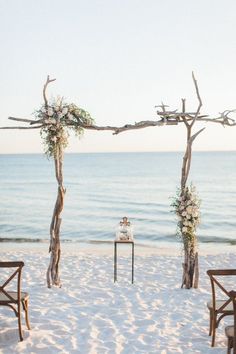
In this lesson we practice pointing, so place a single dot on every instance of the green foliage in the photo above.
(186, 205)
(58, 118)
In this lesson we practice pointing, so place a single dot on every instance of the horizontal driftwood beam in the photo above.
(35, 127)
(138, 125)
(166, 118)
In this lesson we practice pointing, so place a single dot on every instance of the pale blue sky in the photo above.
(118, 59)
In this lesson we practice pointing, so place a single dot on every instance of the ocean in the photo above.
(101, 188)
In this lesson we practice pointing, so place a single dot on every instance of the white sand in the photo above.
(91, 314)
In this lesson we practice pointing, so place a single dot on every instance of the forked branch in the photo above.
(45, 88)
(199, 99)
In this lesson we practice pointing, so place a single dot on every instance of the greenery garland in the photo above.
(187, 208)
(57, 118)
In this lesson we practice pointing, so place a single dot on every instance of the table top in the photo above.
(123, 241)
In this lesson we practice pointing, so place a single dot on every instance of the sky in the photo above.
(118, 59)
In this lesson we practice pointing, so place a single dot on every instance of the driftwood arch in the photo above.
(81, 120)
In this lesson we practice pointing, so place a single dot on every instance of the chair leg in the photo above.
(19, 323)
(213, 330)
(26, 309)
(210, 324)
(229, 346)
(233, 345)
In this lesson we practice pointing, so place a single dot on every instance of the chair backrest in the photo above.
(14, 274)
(218, 283)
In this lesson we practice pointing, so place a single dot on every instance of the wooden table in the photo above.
(115, 258)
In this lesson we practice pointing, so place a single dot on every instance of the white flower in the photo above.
(57, 108)
(43, 110)
(54, 138)
(50, 112)
(71, 108)
(189, 209)
(184, 213)
(184, 229)
(188, 216)
(52, 121)
(70, 116)
(59, 115)
(65, 111)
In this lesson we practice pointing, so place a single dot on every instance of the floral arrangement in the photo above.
(187, 208)
(55, 118)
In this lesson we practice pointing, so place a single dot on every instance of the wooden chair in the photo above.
(230, 331)
(218, 307)
(14, 299)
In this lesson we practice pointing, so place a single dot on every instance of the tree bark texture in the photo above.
(53, 274)
(190, 266)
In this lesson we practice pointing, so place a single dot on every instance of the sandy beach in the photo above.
(91, 314)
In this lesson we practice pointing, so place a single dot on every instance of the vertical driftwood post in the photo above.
(53, 277)
(190, 265)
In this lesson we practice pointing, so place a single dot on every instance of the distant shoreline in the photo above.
(120, 152)
(106, 248)
(145, 243)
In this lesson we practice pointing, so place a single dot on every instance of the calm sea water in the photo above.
(102, 188)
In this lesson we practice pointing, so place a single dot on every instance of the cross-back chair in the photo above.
(14, 299)
(230, 331)
(219, 306)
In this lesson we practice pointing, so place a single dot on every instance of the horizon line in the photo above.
(114, 152)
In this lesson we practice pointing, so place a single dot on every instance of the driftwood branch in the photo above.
(22, 120)
(193, 137)
(176, 119)
(44, 90)
(25, 121)
(126, 127)
(190, 265)
(199, 99)
(35, 127)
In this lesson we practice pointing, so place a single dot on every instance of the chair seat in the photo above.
(229, 331)
(13, 294)
(219, 303)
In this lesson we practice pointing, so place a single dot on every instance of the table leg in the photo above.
(132, 263)
(115, 262)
